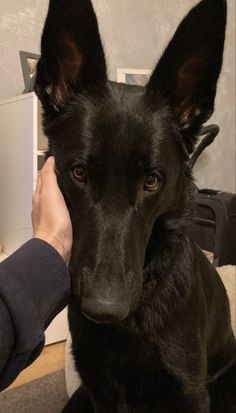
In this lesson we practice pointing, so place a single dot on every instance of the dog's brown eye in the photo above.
(152, 183)
(79, 173)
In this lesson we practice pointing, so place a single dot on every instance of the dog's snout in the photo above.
(108, 294)
(104, 311)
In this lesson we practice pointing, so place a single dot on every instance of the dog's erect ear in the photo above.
(187, 73)
(72, 55)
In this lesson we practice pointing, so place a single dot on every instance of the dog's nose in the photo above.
(103, 311)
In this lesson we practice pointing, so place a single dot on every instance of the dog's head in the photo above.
(121, 151)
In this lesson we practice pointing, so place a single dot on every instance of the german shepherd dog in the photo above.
(149, 316)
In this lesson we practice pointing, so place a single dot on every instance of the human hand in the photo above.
(50, 217)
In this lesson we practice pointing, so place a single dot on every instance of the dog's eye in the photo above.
(152, 183)
(79, 173)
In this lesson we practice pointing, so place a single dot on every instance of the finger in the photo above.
(37, 191)
(38, 185)
(49, 165)
(48, 175)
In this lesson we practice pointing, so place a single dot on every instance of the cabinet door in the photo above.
(17, 160)
(58, 329)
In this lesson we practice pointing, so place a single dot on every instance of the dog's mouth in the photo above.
(106, 317)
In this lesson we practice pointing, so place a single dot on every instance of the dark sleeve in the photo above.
(34, 288)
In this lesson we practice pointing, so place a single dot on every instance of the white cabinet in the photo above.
(22, 147)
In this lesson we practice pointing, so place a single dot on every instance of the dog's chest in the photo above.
(144, 376)
(132, 365)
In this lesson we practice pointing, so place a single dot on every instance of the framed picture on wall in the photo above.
(133, 76)
(29, 63)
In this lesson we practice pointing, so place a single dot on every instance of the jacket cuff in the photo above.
(41, 273)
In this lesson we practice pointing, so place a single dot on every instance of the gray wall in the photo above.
(134, 33)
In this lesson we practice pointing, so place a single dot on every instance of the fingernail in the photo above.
(51, 159)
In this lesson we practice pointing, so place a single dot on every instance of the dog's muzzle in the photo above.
(104, 311)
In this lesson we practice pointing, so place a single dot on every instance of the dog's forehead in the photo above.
(119, 122)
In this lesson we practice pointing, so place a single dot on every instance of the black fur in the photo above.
(149, 316)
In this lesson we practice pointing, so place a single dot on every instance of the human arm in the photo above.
(34, 281)
(34, 288)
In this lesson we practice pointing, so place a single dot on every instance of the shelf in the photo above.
(41, 152)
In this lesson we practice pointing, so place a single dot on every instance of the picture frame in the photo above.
(28, 64)
(133, 76)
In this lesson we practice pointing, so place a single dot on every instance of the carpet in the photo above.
(44, 395)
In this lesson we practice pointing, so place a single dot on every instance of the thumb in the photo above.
(47, 174)
(49, 165)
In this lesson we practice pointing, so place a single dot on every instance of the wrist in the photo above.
(53, 241)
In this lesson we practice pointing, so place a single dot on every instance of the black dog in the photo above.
(149, 316)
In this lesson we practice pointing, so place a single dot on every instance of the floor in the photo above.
(51, 359)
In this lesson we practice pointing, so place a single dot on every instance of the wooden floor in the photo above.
(51, 359)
